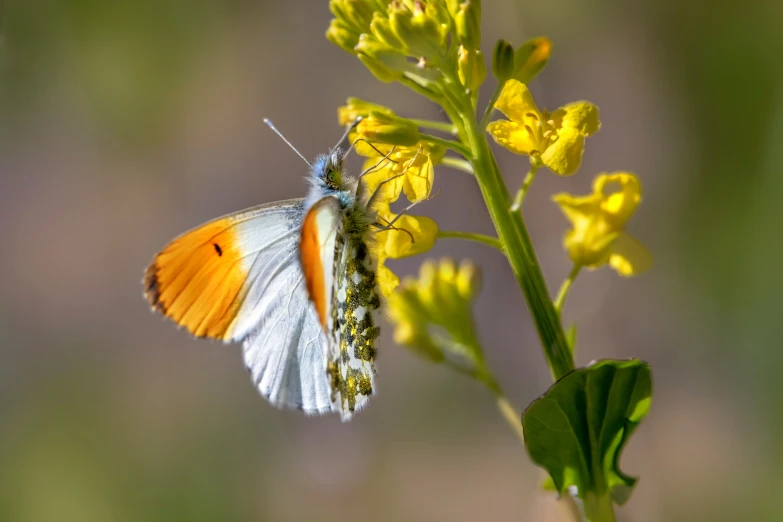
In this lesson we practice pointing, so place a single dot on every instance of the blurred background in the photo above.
(123, 124)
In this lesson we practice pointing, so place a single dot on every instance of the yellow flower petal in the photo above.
(629, 257)
(625, 194)
(414, 235)
(578, 208)
(581, 116)
(415, 163)
(589, 241)
(391, 189)
(564, 156)
(387, 280)
(513, 136)
(515, 101)
(418, 179)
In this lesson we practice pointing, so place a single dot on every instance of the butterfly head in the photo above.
(328, 171)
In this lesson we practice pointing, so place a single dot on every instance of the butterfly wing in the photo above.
(238, 278)
(345, 298)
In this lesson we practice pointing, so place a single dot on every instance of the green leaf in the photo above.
(578, 428)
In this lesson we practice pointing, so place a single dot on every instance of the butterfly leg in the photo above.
(390, 226)
(370, 169)
(376, 149)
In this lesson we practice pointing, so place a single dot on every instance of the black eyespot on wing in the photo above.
(218, 249)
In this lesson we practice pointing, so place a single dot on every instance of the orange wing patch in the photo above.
(317, 244)
(198, 278)
(310, 252)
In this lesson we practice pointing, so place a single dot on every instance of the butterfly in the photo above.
(294, 281)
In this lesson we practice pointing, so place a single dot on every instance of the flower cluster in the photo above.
(434, 313)
(432, 47)
(411, 40)
(399, 161)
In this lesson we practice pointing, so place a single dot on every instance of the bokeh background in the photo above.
(123, 124)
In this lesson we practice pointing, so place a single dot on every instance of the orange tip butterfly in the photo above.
(294, 282)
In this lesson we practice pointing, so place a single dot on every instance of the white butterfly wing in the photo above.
(285, 351)
(238, 278)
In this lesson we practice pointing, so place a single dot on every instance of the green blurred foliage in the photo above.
(127, 63)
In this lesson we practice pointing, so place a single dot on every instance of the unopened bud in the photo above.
(530, 58)
(342, 36)
(387, 128)
(467, 19)
(385, 63)
(503, 60)
(355, 107)
(418, 31)
(471, 67)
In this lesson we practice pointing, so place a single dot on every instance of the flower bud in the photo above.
(381, 29)
(355, 107)
(418, 30)
(471, 67)
(503, 60)
(387, 128)
(342, 36)
(467, 20)
(530, 58)
(355, 13)
(468, 280)
(385, 63)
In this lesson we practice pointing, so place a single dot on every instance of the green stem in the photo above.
(457, 163)
(491, 105)
(522, 192)
(436, 125)
(450, 144)
(565, 287)
(470, 236)
(512, 415)
(517, 244)
(599, 508)
(440, 98)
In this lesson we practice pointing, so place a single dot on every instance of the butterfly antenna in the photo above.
(347, 132)
(272, 126)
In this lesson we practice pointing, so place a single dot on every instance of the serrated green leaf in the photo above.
(578, 428)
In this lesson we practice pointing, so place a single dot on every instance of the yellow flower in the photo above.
(555, 140)
(411, 173)
(434, 313)
(598, 236)
(409, 236)
(412, 170)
